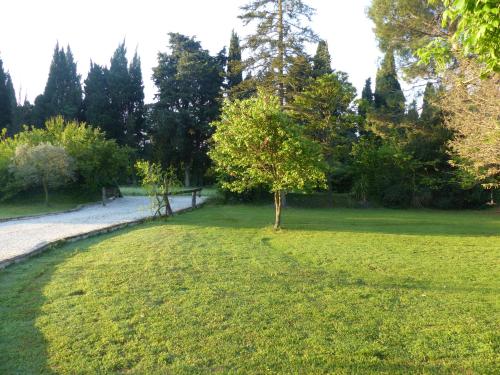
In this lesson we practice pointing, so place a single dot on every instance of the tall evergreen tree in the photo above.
(322, 61)
(298, 77)
(279, 36)
(63, 91)
(97, 102)
(234, 64)
(136, 111)
(412, 114)
(119, 85)
(189, 81)
(5, 99)
(14, 125)
(366, 102)
(389, 98)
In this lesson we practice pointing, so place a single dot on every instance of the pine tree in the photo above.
(189, 81)
(5, 100)
(279, 36)
(299, 76)
(234, 64)
(322, 61)
(389, 98)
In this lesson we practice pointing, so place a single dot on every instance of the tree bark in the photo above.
(277, 207)
(46, 191)
(329, 181)
(281, 54)
(187, 175)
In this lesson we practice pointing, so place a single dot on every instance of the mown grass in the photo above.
(216, 290)
(33, 203)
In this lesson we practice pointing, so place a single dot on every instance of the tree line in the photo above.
(379, 148)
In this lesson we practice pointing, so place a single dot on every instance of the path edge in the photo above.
(113, 228)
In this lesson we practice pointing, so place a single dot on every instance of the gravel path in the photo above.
(19, 237)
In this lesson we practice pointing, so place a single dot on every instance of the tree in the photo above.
(366, 103)
(256, 143)
(5, 99)
(43, 165)
(389, 100)
(324, 109)
(299, 76)
(63, 91)
(475, 31)
(97, 102)
(189, 82)
(279, 36)
(136, 121)
(322, 61)
(404, 27)
(234, 73)
(472, 113)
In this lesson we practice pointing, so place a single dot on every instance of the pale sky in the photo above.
(93, 28)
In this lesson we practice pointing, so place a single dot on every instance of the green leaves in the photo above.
(256, 143)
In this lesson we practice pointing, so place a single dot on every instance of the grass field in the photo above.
(28, 204)
(216, 290)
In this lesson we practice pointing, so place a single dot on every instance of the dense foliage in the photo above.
(97, 161)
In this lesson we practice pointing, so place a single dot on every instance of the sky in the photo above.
(30, 30)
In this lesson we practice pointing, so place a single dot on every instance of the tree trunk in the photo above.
(281, 54)
(277, 208)
(329, 181)
(187, 175)
(46, 191)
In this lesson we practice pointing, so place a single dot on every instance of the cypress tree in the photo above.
(97, 102)
(234, 64)
(389, 98)
(366, 102)
(299, 76)
(63, 91)
(5, 100)
(412, 114)
(322, 61)
(136, 112)
(119, 85)
(14, 125)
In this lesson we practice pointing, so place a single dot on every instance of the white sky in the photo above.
(30, 29)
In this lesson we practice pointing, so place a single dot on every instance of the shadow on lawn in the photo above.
(383, 221)
(23, 347)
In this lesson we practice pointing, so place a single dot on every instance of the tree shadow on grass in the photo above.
(23, 347)
(382, 221)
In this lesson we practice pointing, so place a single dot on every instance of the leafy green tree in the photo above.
(5, 99)
(322, 61)
(475, 30)
(389, 100)
(43, 165)
(255, 143)
(234, 73)
(325, 110)
(279, 35)
(189, 82)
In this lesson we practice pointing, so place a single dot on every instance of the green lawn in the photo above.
(216, 290)
(28, 204)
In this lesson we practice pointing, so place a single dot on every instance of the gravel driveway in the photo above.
(19, 237)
